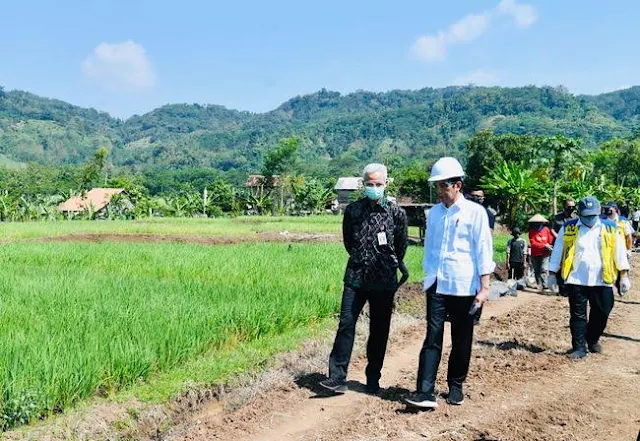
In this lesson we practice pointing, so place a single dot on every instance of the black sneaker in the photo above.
(334, 385)
(595, 348)
(578, 354)
(422, 400)
(456, 397)
(373, 388)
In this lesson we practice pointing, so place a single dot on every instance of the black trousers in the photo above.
(517, 270)
(438, 306)
(380, 309)
(600, 299)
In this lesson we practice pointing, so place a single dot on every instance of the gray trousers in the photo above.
(541, 269)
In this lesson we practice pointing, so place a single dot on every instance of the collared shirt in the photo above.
(458, 248)
(372, 264)
(587, 262)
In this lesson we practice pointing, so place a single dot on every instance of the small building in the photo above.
(347, 187)
(97, 198)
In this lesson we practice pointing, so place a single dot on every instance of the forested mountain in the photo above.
(337, 132)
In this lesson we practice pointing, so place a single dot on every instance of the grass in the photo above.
(240, 226)
(80, 319)
(114, 319)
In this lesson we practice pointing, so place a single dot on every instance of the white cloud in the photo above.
(524, 15)
(470, 27)
(479, 77)
(430, 48)
(120, 66)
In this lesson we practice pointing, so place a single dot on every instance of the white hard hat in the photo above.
(446, 168)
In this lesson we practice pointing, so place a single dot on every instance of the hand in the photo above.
(508, 266)
(549, 247)
(482, 296)
(405, 274)
(625, 285)
(552, 281)
(628, 254)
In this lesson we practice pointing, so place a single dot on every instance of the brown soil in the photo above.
(521, 387)
(212, 240)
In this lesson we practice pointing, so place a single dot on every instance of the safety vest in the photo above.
(607, 249)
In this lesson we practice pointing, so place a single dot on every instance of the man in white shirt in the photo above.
(458, 262)
(589, 252)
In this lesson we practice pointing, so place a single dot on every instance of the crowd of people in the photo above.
(582, 254)
(529, 263)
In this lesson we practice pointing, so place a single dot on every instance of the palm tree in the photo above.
(560, 150)
(517, 188)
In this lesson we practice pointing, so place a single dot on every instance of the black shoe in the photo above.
(595, 348)
(334, 385)
(578, 354)
(422, 400)
(373, 388)
(456, 397)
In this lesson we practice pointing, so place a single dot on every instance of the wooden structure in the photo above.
(347, 187)
(417, 215)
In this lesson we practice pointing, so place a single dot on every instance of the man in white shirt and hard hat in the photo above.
(458, 262)
(589, 252)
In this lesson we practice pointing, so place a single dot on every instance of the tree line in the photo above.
(521, 174)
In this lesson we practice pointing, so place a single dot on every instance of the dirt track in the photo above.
(521, 387)
(204, 240)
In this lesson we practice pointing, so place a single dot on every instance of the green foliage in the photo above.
(281, 159)
(337, 133)
(519, 190)
(311, 196)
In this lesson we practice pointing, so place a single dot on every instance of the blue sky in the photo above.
(128, 57)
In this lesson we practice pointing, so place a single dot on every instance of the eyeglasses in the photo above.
(445, 184)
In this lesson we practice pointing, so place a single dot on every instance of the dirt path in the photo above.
(521, 387)
(211, 240)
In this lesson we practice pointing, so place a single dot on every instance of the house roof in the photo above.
(348, 183)
(96, 197)
(258, 180)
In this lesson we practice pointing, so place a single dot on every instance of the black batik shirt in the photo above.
(372, 265)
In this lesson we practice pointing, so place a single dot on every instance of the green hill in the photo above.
(337, 131)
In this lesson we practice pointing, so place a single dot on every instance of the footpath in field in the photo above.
(203, 240)
(521, 387)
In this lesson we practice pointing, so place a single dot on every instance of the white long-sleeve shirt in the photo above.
(458, 248)
(587, 262)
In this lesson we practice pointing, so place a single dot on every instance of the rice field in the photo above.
(81, 319)
(227, 226)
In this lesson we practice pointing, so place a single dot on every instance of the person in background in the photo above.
(541, 241)
(568, 212)
(375, 236)
(589, 252)
(478, 197)
(517, 252)
(458, 263)
(612, 212)
(635, 219)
